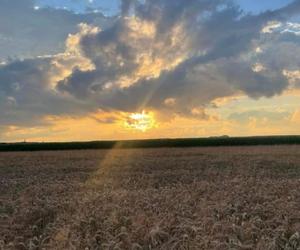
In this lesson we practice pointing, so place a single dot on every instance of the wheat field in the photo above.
(183, 198)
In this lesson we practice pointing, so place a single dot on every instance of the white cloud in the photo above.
(258, 67)
(271, 27)
(282, 27)
(292, 28)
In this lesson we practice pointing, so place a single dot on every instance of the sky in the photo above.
(80, 70)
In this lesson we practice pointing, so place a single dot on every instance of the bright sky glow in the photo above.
(140, 121)
(133, 69)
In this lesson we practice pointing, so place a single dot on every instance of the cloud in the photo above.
(262, 115)
(126, 5)
(26, 31)
(27, 87)
(214, 46)
(174, 57)
(296, 116)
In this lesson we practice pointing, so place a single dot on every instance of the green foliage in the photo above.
(155, 143)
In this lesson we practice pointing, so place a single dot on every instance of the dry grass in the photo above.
(200, 198)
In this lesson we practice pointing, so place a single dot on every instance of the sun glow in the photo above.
(140, 121)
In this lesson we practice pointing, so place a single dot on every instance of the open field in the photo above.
(163, 198)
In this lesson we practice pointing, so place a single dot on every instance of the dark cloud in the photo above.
(26, 96)
(286, 12)
(220, 30)
(126, 5)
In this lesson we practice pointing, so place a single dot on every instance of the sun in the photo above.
(140, 121)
